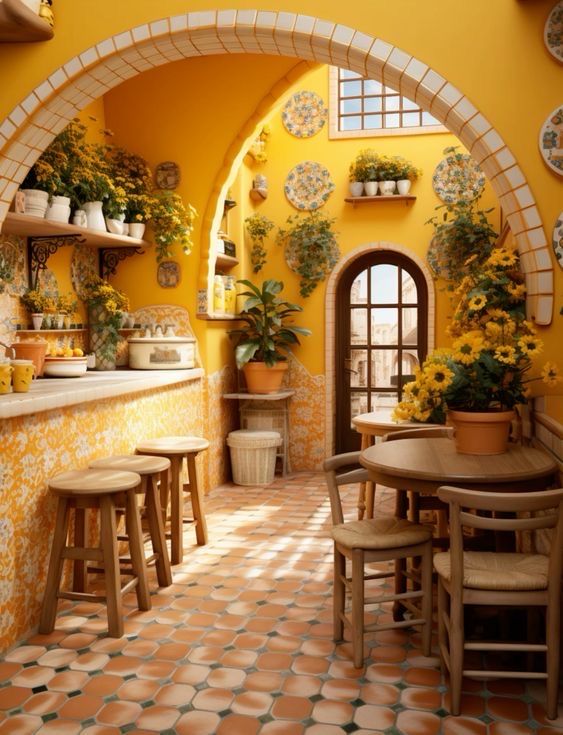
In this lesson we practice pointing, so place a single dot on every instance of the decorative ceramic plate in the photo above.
(167, 175)
(458, 177)
(557, 240)
(304, 114)
(551, 140)
(308, 185)
(553, 32)
(168, 274)
(83, 267)
(438, 268)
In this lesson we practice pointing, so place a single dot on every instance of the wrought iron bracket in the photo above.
(110, 258)
(40, 249)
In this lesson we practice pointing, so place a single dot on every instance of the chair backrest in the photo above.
(467, 507)
(342, 469)
(423, 433)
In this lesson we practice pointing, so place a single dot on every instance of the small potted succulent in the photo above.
(268, 335)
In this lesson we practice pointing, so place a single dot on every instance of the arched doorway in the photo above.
(381, 336)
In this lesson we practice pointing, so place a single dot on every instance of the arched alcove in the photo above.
(45, 111)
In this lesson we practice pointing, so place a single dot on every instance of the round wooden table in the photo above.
(423, 465)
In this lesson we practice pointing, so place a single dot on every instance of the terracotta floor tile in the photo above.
(376, 718)
(309, 665)
(288, 707)
(239, 659)
(511, 728)
(252, 703)
(138, 690)
(103, 685)
(462, 726)
(263, 681)
(284, 643)
(101, 730)
(20, 725)
(318, 647)
(422, 677)
(123, 665)
(155, 669)
(190, 674)
(282, 728)
(90, 662)
(60, 727)
(504, 708)
(376, 693)
(421, 698)
(333, 712)
(205, 654)
(12, 697)
(213, 699)
(8, 670)
(303, 685)
(226, 678)
(25, 654)
(325, 730)
(158, 718)
(119, 713)
(345, 689)
(140, 648)
(34, 676)
(198, 723)
(81, 707)
(174, 695)
(68, 681)
(238, 725)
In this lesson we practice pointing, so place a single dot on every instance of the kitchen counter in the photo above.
(46, 394)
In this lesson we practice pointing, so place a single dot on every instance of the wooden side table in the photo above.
(267, 412)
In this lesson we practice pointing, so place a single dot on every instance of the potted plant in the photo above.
(404, 173)
(132, 178)
(258, 227)
(172, 222)
(262, 345)
(105, 313)
(365, 170)
(35, 302)
(479, 381)
(462, 233)
(311, 248)
(66, 307)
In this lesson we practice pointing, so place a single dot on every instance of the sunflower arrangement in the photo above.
(493, 350)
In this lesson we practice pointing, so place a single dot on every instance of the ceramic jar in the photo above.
(356, 188)
(403, 186)
(36, 202)
(370, 188)
(386, 188)
(95, 216)
(137, 230)
(80, 219)
(59, 209)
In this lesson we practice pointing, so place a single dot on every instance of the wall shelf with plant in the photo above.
(381, 198)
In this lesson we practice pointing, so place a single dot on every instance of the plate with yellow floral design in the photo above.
(553, 31)
(551, 140)
(557, 240)
(457, 177)
(304, 114)
(308, 185)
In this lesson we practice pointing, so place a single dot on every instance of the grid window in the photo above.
(366, 105)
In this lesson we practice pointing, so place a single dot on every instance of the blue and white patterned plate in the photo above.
(551, 140)
(304, 114)
(308, 185)
(553, 32)
(458, 177)
(557, 240)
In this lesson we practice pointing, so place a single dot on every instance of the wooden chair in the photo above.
(374, 540)
(497, 579)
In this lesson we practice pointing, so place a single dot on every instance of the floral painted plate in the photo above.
(551, 140)
(304, 114)
(434, 260)
(557, 240)
(308, 185)
(553, 32)
(458, 177)
(83, 267)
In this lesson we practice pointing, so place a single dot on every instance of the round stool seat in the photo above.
(142, 464)
(93, 482)
(173, 445)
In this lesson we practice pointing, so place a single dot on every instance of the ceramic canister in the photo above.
(23, 375)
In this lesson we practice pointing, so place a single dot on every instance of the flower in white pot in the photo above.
(263, 343)
(364, 169)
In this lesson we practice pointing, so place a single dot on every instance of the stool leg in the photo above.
(156, 528)
(176, 511)
(108, 543)
(79, 566)
(49, 608)
(197, 501)
(133, 526)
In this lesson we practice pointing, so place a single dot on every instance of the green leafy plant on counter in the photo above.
(173, 223)
(258, 227)
(310, 247)
(267, 336)
(105, 308)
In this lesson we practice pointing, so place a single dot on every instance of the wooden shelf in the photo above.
(381, 198)
(48, 331)
(19, 24)
(218, 317)
(28, 226)
(226, 261)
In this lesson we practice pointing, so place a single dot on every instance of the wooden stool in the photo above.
(150, 469)
(101, 489)
(175, 448)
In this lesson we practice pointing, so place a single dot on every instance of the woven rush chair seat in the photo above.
(368, 541)
(489, 571)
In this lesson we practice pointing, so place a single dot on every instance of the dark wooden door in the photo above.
(381, 336)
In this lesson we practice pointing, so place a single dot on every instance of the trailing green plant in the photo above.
(7, 269)
(34, 301)
(173, 223)
(267, 336)
(258, 227)
(311, 248)
(366, 166)
(131, 173)
(461, 233)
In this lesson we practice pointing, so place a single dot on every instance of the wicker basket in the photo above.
(253, 456)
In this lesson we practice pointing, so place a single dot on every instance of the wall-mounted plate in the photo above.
(168, 274)
(557, 240)
(457, 177)
(167, 175)
(551, 140)
(304, 114)
(308, 185)
(553, 31)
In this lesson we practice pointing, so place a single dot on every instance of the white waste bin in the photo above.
(253, 456)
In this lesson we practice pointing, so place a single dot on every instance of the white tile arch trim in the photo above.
(330, 319)
(265, 31)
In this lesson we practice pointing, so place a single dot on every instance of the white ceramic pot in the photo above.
(161, 353)
(59, 209)
(356, 188)
(64, 367)
(370, 187)
(137, 230)
(37, 320)
(403, 186)
(80, 219)
(125, 228)
(95, 216)
(36, 202)
(115, 226)
(386, 187)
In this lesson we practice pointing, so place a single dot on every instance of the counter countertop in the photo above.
(46, 394)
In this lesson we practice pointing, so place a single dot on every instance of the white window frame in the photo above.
(334, 118)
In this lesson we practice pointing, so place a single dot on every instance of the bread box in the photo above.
(161, 353)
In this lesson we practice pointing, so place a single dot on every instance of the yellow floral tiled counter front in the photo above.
(38, 446)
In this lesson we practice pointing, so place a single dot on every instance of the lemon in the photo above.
(77, 352)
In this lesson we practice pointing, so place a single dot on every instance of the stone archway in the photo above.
(46, 110)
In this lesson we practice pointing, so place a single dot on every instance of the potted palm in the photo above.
(263, 343)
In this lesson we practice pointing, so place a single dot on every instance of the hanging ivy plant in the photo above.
(311, 248)
(258, 227)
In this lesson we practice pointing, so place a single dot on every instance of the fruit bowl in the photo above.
(64, 367)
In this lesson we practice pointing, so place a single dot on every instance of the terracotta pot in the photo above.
(34, 351)
(263, 379)
(481, 432)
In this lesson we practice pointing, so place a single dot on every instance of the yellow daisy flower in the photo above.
(505, 354)
(530, 346)
(517, 291)
(467, 349)
(476, 303)
(438, 377)
(403, 411)
(550, 374)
